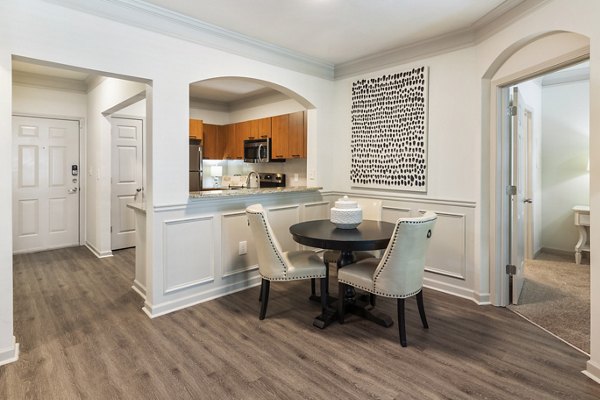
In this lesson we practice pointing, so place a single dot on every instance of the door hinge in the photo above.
(511, 190)
(511, 111)
(511, 269)
(111, 229)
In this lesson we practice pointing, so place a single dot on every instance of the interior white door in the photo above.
(45, 183)
(126, 179)
(518, 181)
(529, 188)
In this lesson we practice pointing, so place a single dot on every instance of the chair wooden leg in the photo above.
(372, 299)
(326, 282)
(264, 294)
(422, 309)
(262, 282)
(401, 326)
(341, 294)
(323, 296)
(313, 285)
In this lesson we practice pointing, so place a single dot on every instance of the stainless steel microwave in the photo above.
(257, 150)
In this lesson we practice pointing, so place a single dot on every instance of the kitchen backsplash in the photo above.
(294, 169)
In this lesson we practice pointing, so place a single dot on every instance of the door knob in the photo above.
(528, 201)
(73, 190)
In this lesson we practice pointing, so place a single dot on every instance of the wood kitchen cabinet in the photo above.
(288, 136)
(214, 142)
(279, 131)
(234, 143)
(196, 129)
(297, 135)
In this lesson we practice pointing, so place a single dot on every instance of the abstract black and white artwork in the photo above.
(389, 131)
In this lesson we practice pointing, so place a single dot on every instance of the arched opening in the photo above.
(232, 118)
(530, 57)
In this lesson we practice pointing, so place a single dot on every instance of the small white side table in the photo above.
(582, 222)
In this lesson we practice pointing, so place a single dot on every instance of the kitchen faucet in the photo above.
(253, 184)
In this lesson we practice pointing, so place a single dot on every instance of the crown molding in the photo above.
(405, 54)
(157, 19)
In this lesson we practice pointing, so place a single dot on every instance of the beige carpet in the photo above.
(556, 296)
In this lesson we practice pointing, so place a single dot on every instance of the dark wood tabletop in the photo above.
(369, 235)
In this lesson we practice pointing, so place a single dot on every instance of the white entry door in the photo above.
(518, 182)
(126, 179)
(45, 183)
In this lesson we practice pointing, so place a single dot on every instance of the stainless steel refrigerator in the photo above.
(195, 165)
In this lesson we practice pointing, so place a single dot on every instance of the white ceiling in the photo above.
(333, 32)
(339, 31)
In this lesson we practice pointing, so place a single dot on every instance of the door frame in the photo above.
(499, 169)
(82, 164)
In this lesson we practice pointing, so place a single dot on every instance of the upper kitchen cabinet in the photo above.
(289, 135)
(254, 129)
(234, 143)
(262, 128)
(297, 135)
(214, 142)
(280, 131)
(196, 129)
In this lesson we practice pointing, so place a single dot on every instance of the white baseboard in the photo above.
(477, 298)
(10, 354)
(156, 310)
(592, 371)
(139, 288)
(98, 253)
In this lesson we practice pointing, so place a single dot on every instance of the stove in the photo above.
(270, 180)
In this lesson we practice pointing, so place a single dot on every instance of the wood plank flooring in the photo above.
(83, 336)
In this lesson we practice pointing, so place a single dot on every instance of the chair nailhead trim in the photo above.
(284, 265)
(393, 241)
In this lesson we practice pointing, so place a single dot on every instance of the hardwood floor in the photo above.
(83, 335)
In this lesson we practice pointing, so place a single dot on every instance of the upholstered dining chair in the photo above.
(277, 265)
(399, 273)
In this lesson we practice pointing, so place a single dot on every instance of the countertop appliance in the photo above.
(270, 180)
(195, 165)
(257, 150)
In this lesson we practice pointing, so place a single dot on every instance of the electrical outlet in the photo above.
(242, 248)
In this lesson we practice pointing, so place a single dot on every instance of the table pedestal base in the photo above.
(357, 306)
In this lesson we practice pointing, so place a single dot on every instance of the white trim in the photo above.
(139, 288)
(156, 310)
(240, 270)
(592, 371)
(27, 79)
(157, 19)
(454, 290)
(10, 354)
(497, 170)
(401, 197)
(97, 253)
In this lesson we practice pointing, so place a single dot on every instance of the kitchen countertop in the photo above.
(246, 192)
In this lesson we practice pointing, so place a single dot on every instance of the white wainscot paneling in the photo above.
(235, 229)
(189, 252)
(315, 211)
(447, 253)
(392, 214)
(281, 218)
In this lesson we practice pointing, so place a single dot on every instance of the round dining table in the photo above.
(369, 235)
(323, 234)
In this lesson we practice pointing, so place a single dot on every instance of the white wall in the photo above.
(458, 137)
(49, 102)
(109, 93)
(565, 149)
